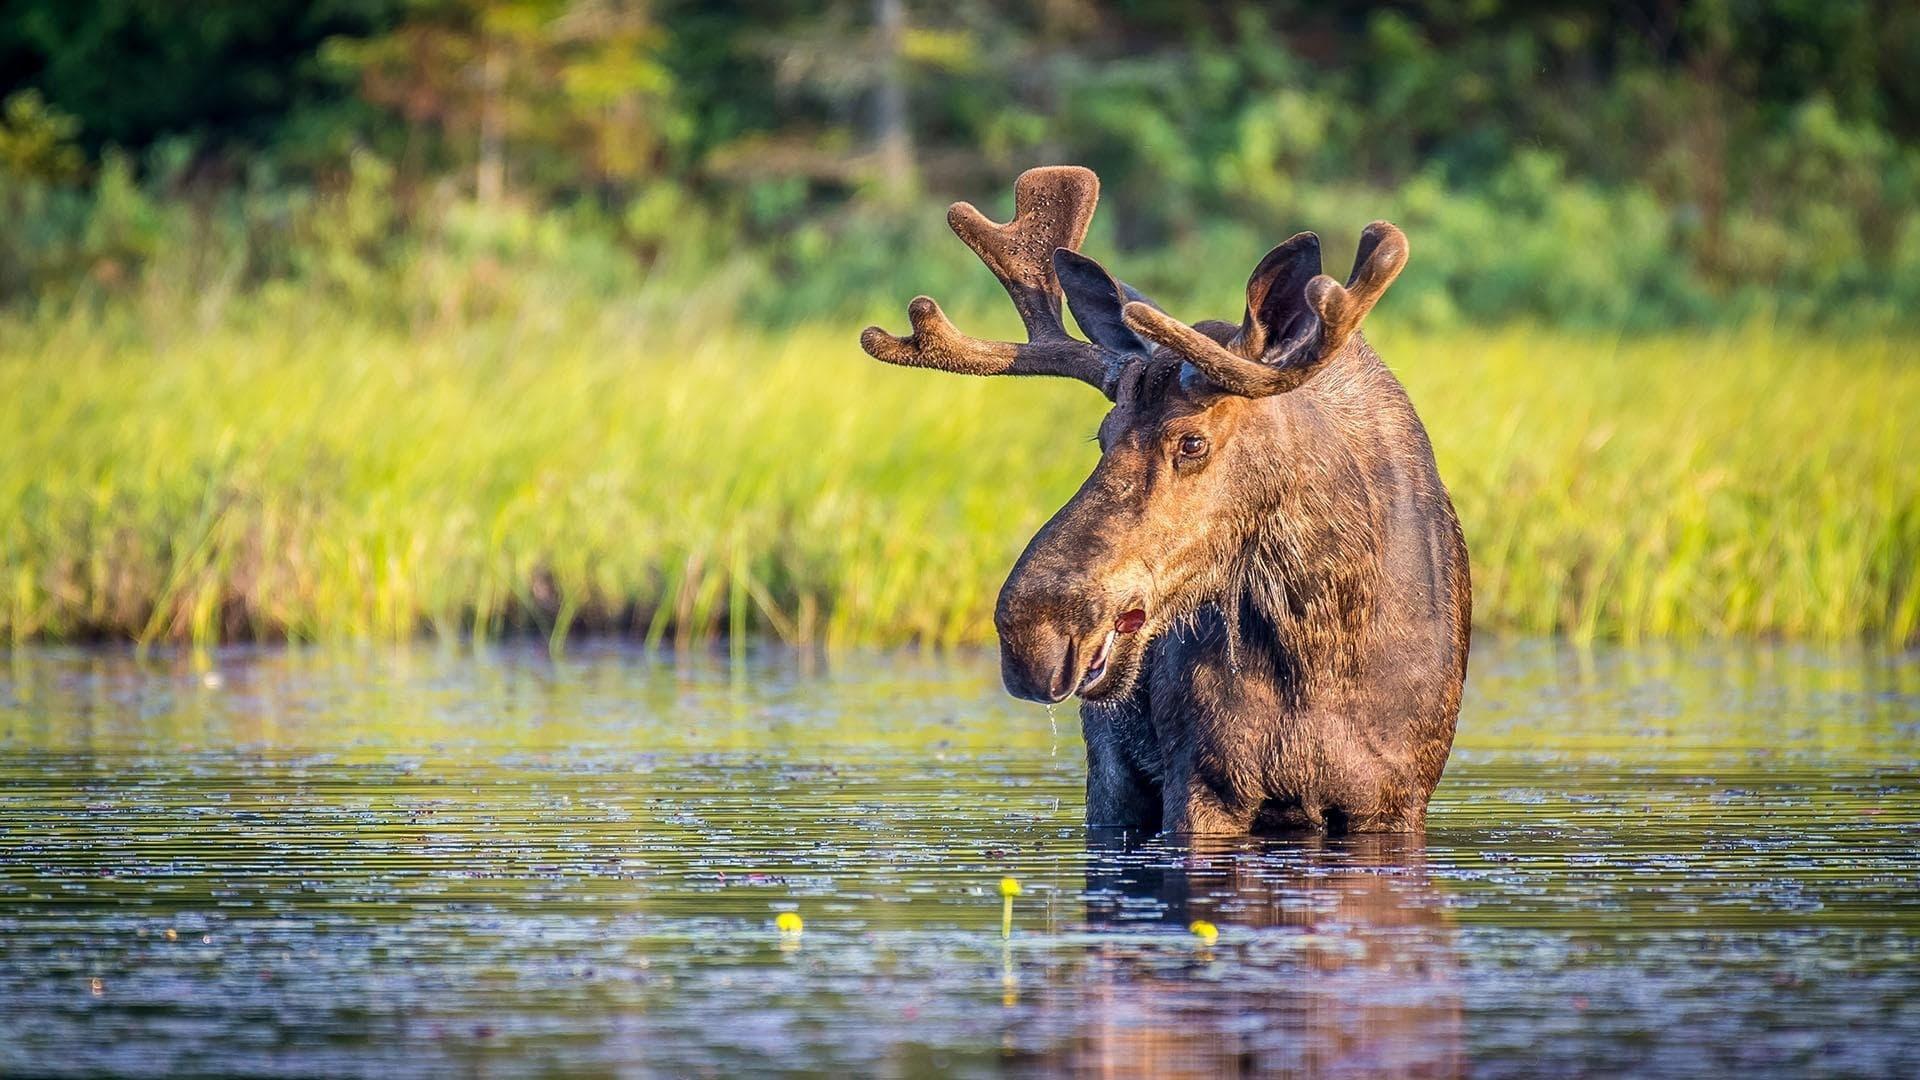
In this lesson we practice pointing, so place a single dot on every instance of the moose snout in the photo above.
(1039, 664)
(1053, 613)
(1042, 638)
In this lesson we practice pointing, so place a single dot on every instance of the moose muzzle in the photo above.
(1053, 645)
(1048, 635)
(1041, 664)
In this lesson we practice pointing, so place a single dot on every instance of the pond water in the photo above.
(1641, 862)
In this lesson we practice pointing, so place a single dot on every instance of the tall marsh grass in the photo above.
(302, 473)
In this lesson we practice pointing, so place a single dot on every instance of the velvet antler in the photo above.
(1052, 208)
(1281, 344)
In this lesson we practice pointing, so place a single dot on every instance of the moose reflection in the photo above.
(1346, 963)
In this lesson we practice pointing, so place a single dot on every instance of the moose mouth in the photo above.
(1128, 623)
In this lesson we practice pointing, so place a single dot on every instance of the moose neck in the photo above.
(1310, 569)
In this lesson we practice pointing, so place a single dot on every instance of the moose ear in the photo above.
(1278, 317)
(1096, 298)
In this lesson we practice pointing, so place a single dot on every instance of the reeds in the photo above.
(306, 474)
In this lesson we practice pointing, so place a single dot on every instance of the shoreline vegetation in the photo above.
(300, 470)
(483, 317)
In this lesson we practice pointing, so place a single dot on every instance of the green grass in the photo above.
(303, 473)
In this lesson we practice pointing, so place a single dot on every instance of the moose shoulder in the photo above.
(1260, 594)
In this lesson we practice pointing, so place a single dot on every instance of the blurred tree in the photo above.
(570, 92)
(844, 82)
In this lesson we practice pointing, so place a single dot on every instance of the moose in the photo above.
(1260, 594)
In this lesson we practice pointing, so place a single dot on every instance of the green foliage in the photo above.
(570, 94)
(1572, 164)
(135, 72)
(36, 142)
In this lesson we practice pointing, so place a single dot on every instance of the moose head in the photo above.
(1206, 466)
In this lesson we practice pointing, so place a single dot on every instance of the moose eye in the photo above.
(1193, 446)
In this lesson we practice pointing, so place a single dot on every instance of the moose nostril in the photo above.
(1068, 677)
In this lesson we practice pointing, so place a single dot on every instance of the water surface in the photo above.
(1642, 862)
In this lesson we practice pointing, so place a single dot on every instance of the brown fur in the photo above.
(1302, 573)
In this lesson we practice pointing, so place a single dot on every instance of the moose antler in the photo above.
(1251, 365)
(1052, 208)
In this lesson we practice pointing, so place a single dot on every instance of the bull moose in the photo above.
(1260, 594)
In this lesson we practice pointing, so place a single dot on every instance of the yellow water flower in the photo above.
(1204, 930)
(787, 922)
